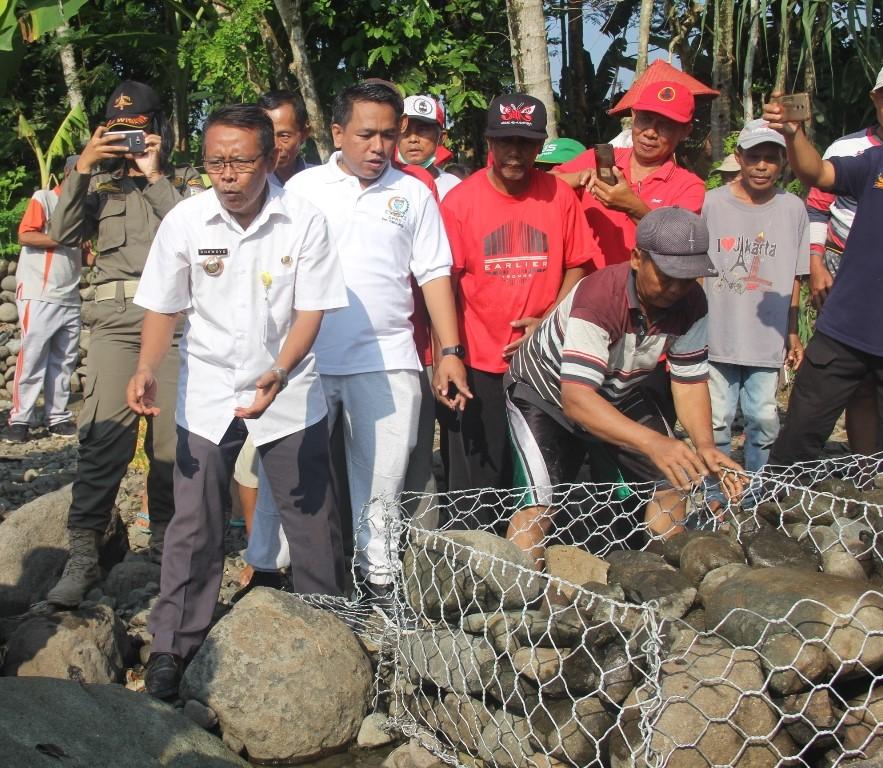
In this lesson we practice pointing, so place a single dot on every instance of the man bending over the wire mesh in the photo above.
(575, 387)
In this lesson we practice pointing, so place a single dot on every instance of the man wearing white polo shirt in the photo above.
(253, 270)
(386, 227)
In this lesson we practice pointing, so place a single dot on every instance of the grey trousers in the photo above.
(298, 471)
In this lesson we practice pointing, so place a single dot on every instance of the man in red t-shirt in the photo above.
(647, 174)
(519, 244)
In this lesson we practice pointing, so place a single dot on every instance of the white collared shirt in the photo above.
(383, 235)
(237, 320)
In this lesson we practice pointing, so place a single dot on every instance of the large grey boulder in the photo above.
(46, 723)
(710, 704)
(460, 572)
(756, 605)
(34, 549)
(89, 645)
(288, 681)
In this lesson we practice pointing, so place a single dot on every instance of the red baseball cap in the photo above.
(667, 98)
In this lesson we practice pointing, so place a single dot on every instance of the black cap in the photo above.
(677, 241)
(516, 114)
(131, 105)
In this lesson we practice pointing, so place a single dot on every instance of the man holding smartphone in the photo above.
(846, 347)
(119, 198)
(644, 177)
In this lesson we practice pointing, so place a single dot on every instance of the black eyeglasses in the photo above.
(240, 165)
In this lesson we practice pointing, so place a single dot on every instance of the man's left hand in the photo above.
(451, 371)
(619, 196)
(268, 386)
(717, 461)
(529, 324)
(795, 352)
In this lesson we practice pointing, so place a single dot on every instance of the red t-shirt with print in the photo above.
(510, 255)
(670, 184)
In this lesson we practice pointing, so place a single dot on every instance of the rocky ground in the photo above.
(106, 641)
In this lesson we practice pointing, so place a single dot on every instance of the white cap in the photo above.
(879, 84)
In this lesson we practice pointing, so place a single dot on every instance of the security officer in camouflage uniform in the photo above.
(121, 197)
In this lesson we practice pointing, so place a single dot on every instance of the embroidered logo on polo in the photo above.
(516, 251)
(517, 113)
(878, 182)
(396, 209)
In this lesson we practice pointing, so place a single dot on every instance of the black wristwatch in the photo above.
(458, 351)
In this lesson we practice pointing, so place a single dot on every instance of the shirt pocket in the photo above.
(111, 224)
(281, 295)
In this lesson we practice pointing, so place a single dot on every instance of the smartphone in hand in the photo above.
(134, 141)
(604, 163)
(795, 107)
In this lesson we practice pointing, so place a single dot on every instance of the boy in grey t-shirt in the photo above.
(760, 246)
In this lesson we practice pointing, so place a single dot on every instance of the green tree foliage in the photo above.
(226, 56)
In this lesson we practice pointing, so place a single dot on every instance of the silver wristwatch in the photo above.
(282, 375)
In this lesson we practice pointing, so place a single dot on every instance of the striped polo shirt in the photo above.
(599, 337)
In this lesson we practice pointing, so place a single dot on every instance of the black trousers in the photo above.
(830, 374)
(475, 448)
(298, 471)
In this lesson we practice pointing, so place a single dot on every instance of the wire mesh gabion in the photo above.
(749, 633)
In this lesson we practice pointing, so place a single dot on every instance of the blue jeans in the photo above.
(755, 391)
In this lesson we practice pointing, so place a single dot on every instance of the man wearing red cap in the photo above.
(647, 174)
(119, 197)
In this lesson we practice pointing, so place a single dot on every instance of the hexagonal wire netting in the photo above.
(610, 625)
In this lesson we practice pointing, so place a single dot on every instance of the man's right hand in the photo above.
(102, 146)
(677, 461)
(772, 113)
(141, 393)
(820, 282)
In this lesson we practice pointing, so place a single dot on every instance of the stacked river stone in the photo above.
(759, 644)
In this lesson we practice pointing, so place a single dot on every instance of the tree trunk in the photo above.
(292, 21)
(530, 57)
(579, 73)
(69, 69)
(809, 72)
(784, 46)
(748, 77)
(277, 55)
(722, 75)
(644, 37)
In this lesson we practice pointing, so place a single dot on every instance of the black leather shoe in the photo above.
(271, 579)
(163, 675)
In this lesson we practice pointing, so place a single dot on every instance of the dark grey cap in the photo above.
(677, 241)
